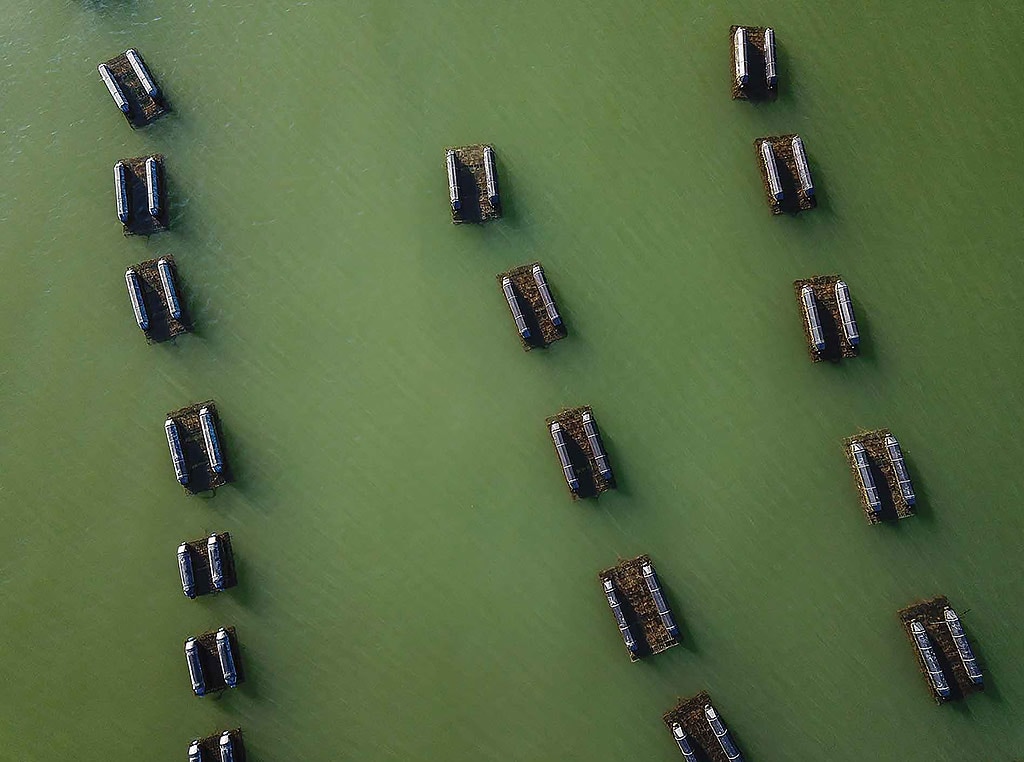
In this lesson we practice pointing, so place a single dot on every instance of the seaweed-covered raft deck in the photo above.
(533, 308)
(697, 729)
(473, 183)
(198, 574)
(826, 312)
(580, 450)
(209, 746)
(155, 295)
(645, 621)
(140, 194)
(753, 64)
(880, 475)
(209, 659)
(133, 87)
(196, 445)
(785, 174)
(951, 655)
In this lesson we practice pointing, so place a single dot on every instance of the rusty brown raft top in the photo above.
(757, 83)
(930, 614)
(201, 476)
(212, 674)
(472, 182)
(162, 326)
(581, 454)
(543, 331)
(894, 506)
(836, 345)
(140, 221)
(794, 199)
(639, 607)
(142, 108)
(689, 713)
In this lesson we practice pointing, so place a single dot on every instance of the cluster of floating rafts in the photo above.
(225, 659)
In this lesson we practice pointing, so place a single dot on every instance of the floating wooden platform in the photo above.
(639, 607)
(894, 506)
(543, 330)
(689, 713)
(201, 476)
(200, 556)
(836, 345)
(794, 199)
(472, 183)
(162, 326)
(930, 614)
(581, 454)
(142, 108)
(209, 746)
(212, 674)
(757, 87)
(140, 221)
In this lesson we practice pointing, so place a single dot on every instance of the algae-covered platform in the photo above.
(785, 174)
(580, 450)
(196, 446)
(209, 746)
(699, 731)
(158, 303)
(826, 312)
(645, 621)
(534, 312)
(142, 100)
(753, 63)
(141, 195)
(473, 183)
(201, 568)
(880, 475)
(943, 650)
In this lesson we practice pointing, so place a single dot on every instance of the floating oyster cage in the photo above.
(140, 221)
(202, 477)
(930, 613)
(893, 504)
(833, 329)
(582, 457)
(532, 305)
(210, 661)
(200, 558)
(793, 180)
(689, 714)
(144, 99)
(473, 190)
(209, 746)
(159, 304)
(643, 609)
(757, 59)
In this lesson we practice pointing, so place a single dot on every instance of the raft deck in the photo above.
(794, 199)
(689, 713)
(201, 476)
(140, 221)
(201, 564)
(161, 325)
(757, 83)
(582, 455)
(836, 346)
(142, 108)
(639, 607)
(212, 674)
(210, 745)
(929, 613)
(472, 182)
(894, 506)
(542, 330)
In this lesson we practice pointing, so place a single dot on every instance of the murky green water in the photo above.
(415, 583)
